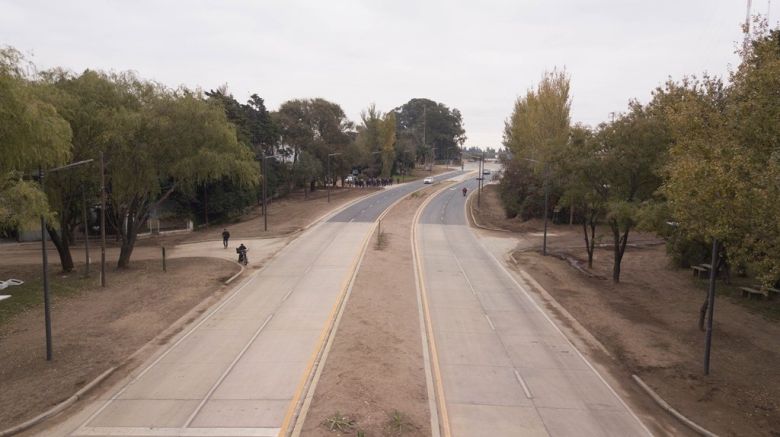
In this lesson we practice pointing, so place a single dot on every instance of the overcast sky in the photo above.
(477, 56)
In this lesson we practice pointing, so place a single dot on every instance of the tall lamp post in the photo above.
(328, 181)
(46, 300)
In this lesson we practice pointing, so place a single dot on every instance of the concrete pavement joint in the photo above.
(312, 375)
(177, 432)
(444, 423)
(225, 373)
(544, 314)
(320, 363)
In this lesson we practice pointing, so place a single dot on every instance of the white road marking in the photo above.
(177, 432)
(490, 322)
(225, 373)
(525, 387)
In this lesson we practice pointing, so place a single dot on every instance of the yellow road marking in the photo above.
(444, 420)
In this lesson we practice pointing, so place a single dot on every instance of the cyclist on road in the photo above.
(465, 190)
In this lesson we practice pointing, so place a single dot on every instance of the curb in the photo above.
(230, 279)
(440, 422)
(298, 416)
(59, 407)
(669, 409)
(470, 206)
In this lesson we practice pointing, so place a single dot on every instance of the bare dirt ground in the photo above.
(96, 329)
(93, 328)
(374, 374)
(648, 322)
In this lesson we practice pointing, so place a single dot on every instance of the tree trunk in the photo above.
(63, 249)
(620, 248)
(124, 254)
(588, 245)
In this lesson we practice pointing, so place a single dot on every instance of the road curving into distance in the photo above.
(503, 366)
(240, 369)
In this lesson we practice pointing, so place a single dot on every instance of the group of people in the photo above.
(372, 182)
(241, 250)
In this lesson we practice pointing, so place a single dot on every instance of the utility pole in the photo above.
(479, 180)
(102, 221)
(86, 233)
(710, 305)
(45, 258)
(206, 203)
(546, 207)
(265, 193)
(46, 302)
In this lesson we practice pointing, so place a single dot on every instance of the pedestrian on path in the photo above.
(225, 238)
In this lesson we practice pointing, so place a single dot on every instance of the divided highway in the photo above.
(505, 369)
(241, 369)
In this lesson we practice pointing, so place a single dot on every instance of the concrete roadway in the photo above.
(506, 370)
(240, 370)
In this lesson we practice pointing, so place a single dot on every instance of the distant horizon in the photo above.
(476, 58)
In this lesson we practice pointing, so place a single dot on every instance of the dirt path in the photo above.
(93, 328)
(648, 323)
(285, 217)
(374, 374)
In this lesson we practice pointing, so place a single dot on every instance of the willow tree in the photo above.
(175, 140)
(32, 135)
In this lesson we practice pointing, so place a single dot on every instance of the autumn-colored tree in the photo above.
(722, 176)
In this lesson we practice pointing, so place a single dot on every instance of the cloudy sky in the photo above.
(477, 56)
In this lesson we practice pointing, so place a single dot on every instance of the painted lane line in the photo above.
(522, 383)
(225, 373)
(297, 409)
(539, 309)
(177, 432)
(490, 322)
(429, 339)
(170, 349)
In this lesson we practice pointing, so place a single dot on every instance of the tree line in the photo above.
(195, 153)
(699, 161)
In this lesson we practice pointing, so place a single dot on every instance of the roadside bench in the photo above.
(700, 272)
(759, 291)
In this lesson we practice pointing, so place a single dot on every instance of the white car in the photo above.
(428, 180)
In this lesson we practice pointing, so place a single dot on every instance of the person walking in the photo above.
(225, 238)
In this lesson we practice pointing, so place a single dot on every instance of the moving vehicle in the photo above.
(485, 171)
(428, 180)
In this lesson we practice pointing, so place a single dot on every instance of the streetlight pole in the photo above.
(102, 221)
(710, 305)
(479, 180)
(546, 208)
(86, 233)
(328, 181)
(265, 193)
(45, 258)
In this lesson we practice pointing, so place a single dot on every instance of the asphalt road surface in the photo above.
(241, 369)
(506, 370)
